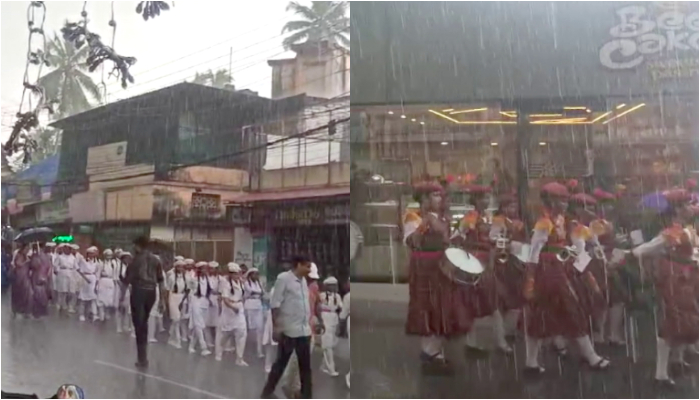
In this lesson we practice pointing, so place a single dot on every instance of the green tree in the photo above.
(69, 82)
(218, 79)
(324, 20)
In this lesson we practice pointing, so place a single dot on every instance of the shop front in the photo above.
(603, 93)
(314, 223)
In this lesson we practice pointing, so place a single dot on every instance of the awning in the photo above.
(279, 195)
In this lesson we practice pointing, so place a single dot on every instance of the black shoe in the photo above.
(533, 372)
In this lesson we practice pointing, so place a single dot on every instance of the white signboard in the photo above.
(242, 246)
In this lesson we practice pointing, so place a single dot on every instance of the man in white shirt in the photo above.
(291, 315)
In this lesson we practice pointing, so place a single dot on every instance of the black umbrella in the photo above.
(30, 235)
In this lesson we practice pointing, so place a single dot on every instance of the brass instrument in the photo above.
(567, 253)
(502, 249)
(599, 253)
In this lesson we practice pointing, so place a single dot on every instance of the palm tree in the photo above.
(68, 82)
(324, 20)
(218, 79)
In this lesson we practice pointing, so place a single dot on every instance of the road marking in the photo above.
(158, 378)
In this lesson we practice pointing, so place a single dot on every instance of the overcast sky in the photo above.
(191, 37)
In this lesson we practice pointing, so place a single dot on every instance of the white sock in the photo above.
(432, 346)
(532, 351)
(663, 349)
(677, 353)
(499, 330)
(617, 323)
(510, 322)
(560, 343)
(587, 351)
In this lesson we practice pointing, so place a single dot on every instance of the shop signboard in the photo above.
(242, 246)
(416, 53)
(53, 212)
(312, 213)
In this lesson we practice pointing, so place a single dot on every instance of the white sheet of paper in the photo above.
(617, 256)
(524, 254)
(637, 237)
(582, 261)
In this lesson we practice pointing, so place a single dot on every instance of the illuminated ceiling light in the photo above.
(377, 178)
(494, 143)
(391, 113)
(468, 111)
(638, 106)
(619, 106)
(413, 120)
(543, 143)
(441, 115)
(575, 108)
(422, 123)
(545, 115)
(444, 143)
(403, 117)
(560, 120)
(588, 110)
(448, 110)
(510, 114)
(601, 116)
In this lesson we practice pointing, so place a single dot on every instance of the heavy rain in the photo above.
(175, 193)
(525, 184)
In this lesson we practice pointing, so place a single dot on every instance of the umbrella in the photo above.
(656, 201)
(35, 235)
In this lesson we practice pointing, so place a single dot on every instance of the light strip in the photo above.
(601, 116)
(638, 106)
(448, 110)
(545, 115)
(439, 114)
(576, 108)
(619, 106)
(561, 120)
(510, 114)
(468, 111)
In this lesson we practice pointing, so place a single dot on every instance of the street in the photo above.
(385, 365)
(38, 356)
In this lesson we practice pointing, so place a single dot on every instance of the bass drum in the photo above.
(462, 267)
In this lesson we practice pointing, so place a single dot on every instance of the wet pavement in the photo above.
(39, 355)
(385, 365)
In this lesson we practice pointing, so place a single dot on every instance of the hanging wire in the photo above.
(19, 139)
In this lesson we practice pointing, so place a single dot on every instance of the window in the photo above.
(194, 136)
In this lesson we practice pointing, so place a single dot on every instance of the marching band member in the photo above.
(214, 303)
(331, 305)
(122, 292)
(473, 234)
(88, 268)
(508, 268)
(553, 309)
(106, 285)
(253, 293)
(199, 309)
(233, 321)
(676, 280)
(176, 299)
(436, 311)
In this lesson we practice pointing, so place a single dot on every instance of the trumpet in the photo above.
(567, 253)
(502, 247)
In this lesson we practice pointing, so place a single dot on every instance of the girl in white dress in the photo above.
(191, 283)
(253, 294)
(331, 305)
(199, 309)
(64, 265)
(105, 285)
(121, 300)
(88, 269)
(232, 324)
(176, 299)
(213, 312)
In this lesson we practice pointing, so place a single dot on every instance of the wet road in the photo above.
(385, 366)
(38, 356)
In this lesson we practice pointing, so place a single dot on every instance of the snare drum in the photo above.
(461, 267)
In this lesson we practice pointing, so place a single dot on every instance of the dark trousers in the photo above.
(301, 346)
(142, 301)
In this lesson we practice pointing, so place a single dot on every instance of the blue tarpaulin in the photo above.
(43, 173)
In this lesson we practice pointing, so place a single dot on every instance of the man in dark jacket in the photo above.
(144, 274)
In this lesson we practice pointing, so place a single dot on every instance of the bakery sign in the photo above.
(661, 35)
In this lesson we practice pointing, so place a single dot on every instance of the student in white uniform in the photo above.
(345, 316)
(64, 265)
(176, 298)
(191, 284)
(213, 313)
(199, 309)
(105, 285)
(268, 341)
(155, 320)
(89, 267)
(331, 305)
(232, 324)
(50, 248)
(121, 300)
(253, 294)
(77, 278)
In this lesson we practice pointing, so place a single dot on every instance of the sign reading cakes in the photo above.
(663, 36)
